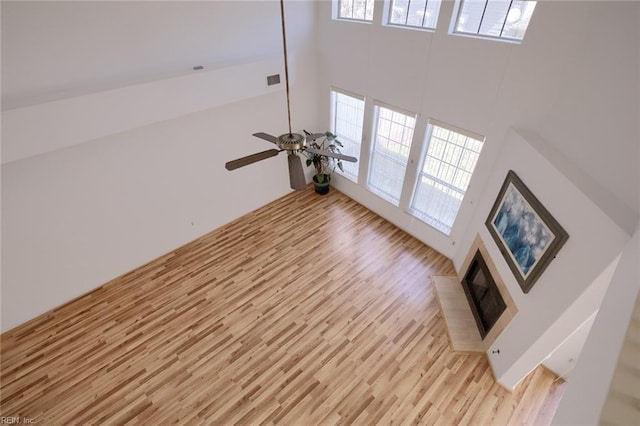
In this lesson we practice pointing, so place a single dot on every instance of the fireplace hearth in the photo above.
(483, 294)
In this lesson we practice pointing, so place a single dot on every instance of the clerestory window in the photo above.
(498, 19)
(421, 14)
(355, 10)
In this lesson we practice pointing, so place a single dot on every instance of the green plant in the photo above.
(324, 164)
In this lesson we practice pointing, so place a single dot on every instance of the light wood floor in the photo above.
(311, 310)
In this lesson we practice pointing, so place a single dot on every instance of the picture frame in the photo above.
(526, 233)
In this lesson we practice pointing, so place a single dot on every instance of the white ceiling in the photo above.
(53, 50)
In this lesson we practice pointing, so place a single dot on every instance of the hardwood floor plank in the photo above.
(282, 316)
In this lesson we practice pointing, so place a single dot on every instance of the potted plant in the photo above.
(323, 164)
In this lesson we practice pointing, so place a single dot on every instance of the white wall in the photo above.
(570, 90)
(487, 87)
(586, 394)
(78, 217)
(578, 88)
(418, 71)
(561, 361)
(71, 121)
(572, 287)
(101, 200)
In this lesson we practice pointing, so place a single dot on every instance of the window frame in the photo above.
(372, 152)
(455, 16)
(419, 171)
(386, 18)
(333, 117)
(336, 7)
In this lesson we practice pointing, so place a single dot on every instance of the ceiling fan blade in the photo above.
(296, 173)
(332, 154)
(250, 159)
(312, 137)
(266, 137)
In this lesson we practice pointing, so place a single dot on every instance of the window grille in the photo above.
(444, 177)
(414, 13)
(501, 19)
(346, 123)
(390, 153)
(357, 10)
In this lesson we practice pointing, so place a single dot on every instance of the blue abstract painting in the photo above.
(522, 231)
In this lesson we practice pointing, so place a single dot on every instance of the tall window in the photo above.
(347, 113)
(359, 10)
(503, 19)
(447, 166)
(390, 153)
(414, 13)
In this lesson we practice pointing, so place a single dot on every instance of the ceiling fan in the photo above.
(292, 143)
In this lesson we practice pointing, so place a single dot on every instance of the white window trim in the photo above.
(413, 165)
(424, 148)
(408, 172)
(467, 133)
(382, 104)
(346, 93)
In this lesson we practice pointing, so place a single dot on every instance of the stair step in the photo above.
(628, 370)
(636, 312)
(626, 384)
(620, 410)
(630, 356)
(633, 333)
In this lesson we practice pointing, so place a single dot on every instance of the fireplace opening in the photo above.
(483, 295)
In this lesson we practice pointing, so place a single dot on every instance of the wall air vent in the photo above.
(273, 79)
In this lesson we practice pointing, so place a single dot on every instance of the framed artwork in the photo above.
(526, 234)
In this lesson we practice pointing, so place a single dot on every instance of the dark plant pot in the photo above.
(322, 188)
